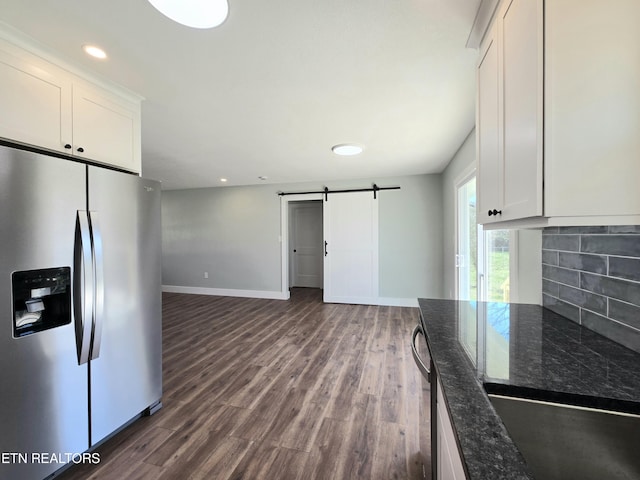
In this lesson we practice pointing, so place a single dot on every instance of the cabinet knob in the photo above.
(80, 149)
(495, 212)
(67, 146)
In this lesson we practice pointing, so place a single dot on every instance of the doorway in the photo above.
(305, 244)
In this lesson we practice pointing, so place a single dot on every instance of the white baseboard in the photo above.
(231, 292)
(379, 301)
(226, 292)
(398, 302)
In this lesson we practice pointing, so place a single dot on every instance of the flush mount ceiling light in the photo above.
(94, 51)
(194, 13)
(347, 149)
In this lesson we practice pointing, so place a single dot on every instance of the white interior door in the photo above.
(351, 248)
(306, 244)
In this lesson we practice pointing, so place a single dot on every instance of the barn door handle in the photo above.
(325, 248)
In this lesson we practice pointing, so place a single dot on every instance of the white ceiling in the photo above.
(274, 87)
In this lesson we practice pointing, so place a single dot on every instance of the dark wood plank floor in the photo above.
(270, 389)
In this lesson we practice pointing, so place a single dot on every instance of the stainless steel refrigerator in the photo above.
(80, 308)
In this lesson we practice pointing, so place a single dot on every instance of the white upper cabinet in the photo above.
(559, 114)
(510, 86)
(46, 106)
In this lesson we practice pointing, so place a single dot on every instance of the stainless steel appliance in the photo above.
(80, 308)
(428, 432)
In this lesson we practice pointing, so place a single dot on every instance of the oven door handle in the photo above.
(426, 373)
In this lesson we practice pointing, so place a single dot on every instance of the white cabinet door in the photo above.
(35, 102)
(351, 258)
(488, 132)
(521, 32)
(105, 128)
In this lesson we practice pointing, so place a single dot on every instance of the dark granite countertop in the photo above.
(524, 351)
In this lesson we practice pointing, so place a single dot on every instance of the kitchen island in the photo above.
(523, 351)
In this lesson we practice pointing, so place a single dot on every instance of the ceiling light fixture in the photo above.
(223, 180)
(94, 51)
(347, 149)
(194, 13)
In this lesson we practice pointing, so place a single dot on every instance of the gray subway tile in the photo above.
(550, 257)
(550, 230)
(581, 298)
(625, 313)
(625, 245)
(628, 268)
(561, 242)
(616, 331)
(624, 229)
(551, 288)
(581, 261)
(580, 230)
(561, 308)
(611, 287)
(568, 230)
(561, 275)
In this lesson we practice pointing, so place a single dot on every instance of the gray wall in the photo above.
(233, 233)
(591, 275)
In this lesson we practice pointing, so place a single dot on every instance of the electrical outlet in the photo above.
(206, 274)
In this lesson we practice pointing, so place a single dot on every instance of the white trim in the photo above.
(227, 292)
(284, 235)
(398, 302)
(484, 15)
(271, 295)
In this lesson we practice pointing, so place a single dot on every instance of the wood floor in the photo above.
(271, 389)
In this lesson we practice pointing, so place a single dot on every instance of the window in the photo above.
(482, 257)
(467, 241)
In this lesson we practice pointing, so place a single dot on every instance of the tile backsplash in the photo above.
(591, 275)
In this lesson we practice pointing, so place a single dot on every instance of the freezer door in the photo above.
(126, 365)
(43, 390)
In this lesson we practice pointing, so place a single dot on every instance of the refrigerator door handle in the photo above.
(83, 287)
(98, 269)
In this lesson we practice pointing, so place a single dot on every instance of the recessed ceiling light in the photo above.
(347, 149)
(223, 180)
(194, 13)
(94, 51)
